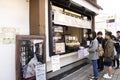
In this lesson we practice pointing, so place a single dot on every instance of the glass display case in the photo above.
(72, 43)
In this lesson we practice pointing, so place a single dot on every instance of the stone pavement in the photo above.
(84, 72)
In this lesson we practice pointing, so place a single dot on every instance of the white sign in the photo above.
(88, 43)
(81, 53)
(86, 53)
(55, 62)
(59, 48)
(40, 72)
(63, 19)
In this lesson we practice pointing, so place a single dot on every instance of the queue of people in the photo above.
(104, 52)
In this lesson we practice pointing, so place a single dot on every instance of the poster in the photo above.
(55, 62)
(31, 59)
(40, 72)
(59, 48)
(8, 34)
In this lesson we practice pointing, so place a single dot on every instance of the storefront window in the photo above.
(68, 30)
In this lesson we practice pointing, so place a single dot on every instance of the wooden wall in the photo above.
(37, 17)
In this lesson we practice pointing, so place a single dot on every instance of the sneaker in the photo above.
(93, 79)
(91, 76)
(107, 76)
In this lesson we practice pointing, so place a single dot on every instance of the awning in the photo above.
(94, 4)
(79, 6)
(88, 4)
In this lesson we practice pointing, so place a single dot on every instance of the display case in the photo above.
(72, 43)
(66, 39)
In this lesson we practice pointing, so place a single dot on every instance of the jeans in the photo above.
(95, 68)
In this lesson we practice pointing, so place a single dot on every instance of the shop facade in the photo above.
(64, 24)
(66, 27)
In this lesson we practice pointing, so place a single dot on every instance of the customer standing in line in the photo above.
(118, 35)
(108, 55)
(93, 55)
(116, 48)
(101, 42)
(118, 41)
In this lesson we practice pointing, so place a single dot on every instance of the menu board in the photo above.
(55, 62)
(59, 48)
(40, 72)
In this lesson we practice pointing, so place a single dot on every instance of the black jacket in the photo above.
(101, 41)
(117, 46)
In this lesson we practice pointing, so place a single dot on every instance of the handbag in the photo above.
(100, 50)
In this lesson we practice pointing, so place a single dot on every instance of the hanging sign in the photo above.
(63, 19)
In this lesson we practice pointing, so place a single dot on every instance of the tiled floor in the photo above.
(84, 72)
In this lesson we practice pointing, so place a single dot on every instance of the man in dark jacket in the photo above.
(118, 35)
(101, 41)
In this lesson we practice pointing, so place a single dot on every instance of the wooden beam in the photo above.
(37, 17)
(42, 16)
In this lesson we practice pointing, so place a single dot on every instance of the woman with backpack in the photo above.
(93, 55)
